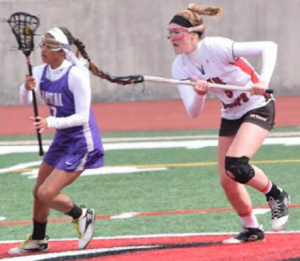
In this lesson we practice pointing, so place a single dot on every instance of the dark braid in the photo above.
(81, 49)
(80, 46)
(92, 67)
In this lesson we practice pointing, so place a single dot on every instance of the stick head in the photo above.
(23, 26)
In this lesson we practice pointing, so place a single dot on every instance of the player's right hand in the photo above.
(30, 83)
(201, 87)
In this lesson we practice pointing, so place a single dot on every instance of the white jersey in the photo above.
(219, 60)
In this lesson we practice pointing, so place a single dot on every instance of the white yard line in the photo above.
(158, 138)
(188, 144)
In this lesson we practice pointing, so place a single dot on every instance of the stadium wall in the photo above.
(129, 37)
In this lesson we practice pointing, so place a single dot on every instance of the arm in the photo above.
(31, 83)
(268, 52)
(25, 96)
(193, 102)
(80, 87)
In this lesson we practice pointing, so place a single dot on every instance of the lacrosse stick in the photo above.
(134, 79)
(23, 26)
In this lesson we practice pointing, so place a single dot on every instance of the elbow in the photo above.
(24, 102)
(84, 119)
(272, 46)
(193, 114)
(194, 111)
(78, 120)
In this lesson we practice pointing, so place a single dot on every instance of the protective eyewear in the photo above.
(53, 45)
(178, 32)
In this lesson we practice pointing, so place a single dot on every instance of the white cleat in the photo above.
(30, 246)
(84, 227)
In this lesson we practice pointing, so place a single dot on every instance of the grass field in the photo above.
(169, 178)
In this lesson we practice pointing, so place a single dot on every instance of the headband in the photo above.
(177, 19)
(58, 35)
(62, 39)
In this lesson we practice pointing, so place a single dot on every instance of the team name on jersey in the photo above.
(237, 102)
(52, 98)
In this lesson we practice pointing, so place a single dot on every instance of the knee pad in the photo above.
(239, 169)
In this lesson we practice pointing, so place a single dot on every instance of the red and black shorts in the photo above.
(263, 117)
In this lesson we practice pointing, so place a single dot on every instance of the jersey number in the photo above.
(53, 110)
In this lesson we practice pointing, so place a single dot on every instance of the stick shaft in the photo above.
(35, 108)
(189, 82)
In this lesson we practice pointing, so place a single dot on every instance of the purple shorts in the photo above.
(70, 162)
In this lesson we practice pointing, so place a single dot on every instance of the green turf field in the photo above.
(165, 179)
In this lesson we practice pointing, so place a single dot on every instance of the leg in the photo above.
(236, 193)
(40, 210)
(239, 198)
(49, 191)
(38, 241)
(246, 143)
(50, 194)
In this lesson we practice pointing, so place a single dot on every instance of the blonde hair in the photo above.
(194, 13)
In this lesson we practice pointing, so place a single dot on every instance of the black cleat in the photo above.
(247, 235)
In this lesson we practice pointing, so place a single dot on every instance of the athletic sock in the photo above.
(274, 192)
(39, 230)
(249, 220)
(75, 212)
(267, 188)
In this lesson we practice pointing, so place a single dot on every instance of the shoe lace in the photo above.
(27, 240)
(243, 234)
(247, 233)
(275, 207)
(75, 223)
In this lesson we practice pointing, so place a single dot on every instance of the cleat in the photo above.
(280, 210)
(247, 235)
(84, 227)
(30, 246)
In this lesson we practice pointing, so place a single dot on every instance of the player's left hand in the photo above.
(259, 88)
(39, 123)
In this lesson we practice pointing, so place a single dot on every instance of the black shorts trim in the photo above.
(263, 117)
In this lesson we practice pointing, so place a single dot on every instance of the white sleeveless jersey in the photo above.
(214, 61)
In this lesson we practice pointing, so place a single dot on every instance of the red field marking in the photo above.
(157, 213)
(282, 246)
(145, 116)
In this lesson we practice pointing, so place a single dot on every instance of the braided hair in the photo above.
(82, 51)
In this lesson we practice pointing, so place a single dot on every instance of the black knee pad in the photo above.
(239, 169)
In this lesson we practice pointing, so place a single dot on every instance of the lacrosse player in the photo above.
(247, 117)
(64, 85)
